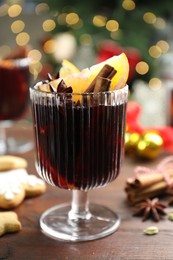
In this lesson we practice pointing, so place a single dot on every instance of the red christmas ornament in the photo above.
(134, 126)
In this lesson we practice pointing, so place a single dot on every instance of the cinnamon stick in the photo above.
(145, 180)
(106, 72)
(102, 84)
(136, 195)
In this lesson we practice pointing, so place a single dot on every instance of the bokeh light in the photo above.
(49, 46)
(142, 68)
(155, 51)
(49, 25)
(112, 25)
(128, 5)
(99, 20)
(22, 38)
(163, 45)
(17, 26)
(41, 8)
(72, 18)
(65, 46)
(14, 10)
(149, 17)
(35, 55)
(155, 83)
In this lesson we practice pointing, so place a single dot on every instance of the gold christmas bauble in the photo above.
(150, 145)
(131, 141)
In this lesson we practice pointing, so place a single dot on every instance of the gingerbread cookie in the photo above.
(16, 185)
(9, 162)
(9, 222)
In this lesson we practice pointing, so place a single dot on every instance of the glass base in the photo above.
(18, 146)
(14, 138)
(56, 224)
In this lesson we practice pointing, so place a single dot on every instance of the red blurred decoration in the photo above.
(133, 125)
(47, 68)
(108, 48)
(133, 116)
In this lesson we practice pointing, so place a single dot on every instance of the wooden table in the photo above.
(128, 242)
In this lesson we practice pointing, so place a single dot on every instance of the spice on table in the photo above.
(150, 209)
(150, 183)
(152, 230)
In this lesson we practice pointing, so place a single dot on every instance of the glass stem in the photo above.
(79, 206)
(3, 140)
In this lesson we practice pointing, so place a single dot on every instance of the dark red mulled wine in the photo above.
(14, 88)
(77, 147)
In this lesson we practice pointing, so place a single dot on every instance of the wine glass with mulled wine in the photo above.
(79, 141)
(14, 96)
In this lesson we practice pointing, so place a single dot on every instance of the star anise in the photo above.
(50, 77)
(49, 87)
(150, 209)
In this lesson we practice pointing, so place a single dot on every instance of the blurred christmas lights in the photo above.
(22, 39)
(155, 51)
(112, 25)
(49, 46)
(99, 20)
(35, 55)
(128, 5)
(163, 45)
(155, 83)
(49, 25)
(41, 8)
(70, 18)
(14, 10)
(17, 26)
(142, 68)
(149, 18)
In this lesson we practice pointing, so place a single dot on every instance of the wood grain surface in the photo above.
(128, 242)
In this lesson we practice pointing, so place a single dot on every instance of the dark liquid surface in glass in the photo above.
(14, 91)
(79, 148)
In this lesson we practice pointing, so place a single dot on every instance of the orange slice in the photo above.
(80, 80)
(120, 64)
(67, 69)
